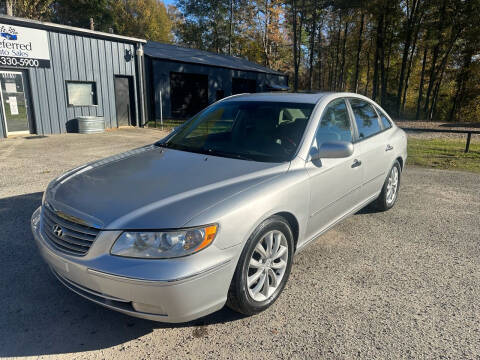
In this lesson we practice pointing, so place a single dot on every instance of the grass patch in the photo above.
(444, 154)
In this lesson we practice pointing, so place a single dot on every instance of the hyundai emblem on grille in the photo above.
(57, 230)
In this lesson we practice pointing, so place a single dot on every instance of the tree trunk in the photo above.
(337, 52)
(409, 69)
(344, 46)
(420, 87)
(320, 68)
(378, 50)
(230, 35)
(295, 40)
(312, 45)
(359, 48)
(368, 67)
(9, 7)
(436, 50)
(389, 53)
(461, 81)
(383, 77)
(406, 50)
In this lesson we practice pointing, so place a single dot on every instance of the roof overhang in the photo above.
(67, 29)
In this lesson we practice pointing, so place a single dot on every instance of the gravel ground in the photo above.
(399, 284)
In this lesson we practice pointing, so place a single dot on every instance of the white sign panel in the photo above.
(12, 100)
(23, 47)
(10, 87)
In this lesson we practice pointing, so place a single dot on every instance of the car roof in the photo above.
(307, 97)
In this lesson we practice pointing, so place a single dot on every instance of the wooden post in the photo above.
(161, 109)
(467, 147)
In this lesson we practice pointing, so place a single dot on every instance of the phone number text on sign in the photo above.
(23, 62)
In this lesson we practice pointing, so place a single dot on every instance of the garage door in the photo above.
(188, 94)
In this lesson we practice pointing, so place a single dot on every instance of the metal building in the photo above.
(182, 81)
(51, 74)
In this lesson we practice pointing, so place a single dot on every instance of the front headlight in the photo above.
(164, 244)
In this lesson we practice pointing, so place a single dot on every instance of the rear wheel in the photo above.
(389, 193)
(263, 268)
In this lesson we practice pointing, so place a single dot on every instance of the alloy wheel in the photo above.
(267, 265)
(392, 186)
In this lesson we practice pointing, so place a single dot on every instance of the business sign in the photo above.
(23, 47)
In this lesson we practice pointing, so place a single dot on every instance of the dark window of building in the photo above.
(188, 94)
(240, 86)
(81, 93)
(220, 95)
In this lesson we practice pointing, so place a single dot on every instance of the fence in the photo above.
(468, 132)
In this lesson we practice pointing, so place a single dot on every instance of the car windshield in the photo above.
(251, 130)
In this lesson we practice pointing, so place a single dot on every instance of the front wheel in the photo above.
(263, 268)
(389, 193)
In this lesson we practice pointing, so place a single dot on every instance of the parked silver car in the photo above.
(214, 213)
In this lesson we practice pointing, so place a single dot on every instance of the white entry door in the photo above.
(14, 106)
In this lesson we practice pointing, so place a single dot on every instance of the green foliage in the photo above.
(373, 47)
(146, 19)
(33, 9)
(78, 13)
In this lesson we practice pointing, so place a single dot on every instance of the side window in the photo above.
(334, 124)
(385, 122)
(365, 117)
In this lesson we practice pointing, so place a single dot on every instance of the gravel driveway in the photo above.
(400, 284)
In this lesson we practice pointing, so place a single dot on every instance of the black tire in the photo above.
(381, 204)
(239, 298)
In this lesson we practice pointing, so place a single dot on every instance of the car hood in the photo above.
(153, 187)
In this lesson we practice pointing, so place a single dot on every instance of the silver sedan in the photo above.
(214, 213)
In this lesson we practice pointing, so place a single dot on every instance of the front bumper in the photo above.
(167, 290)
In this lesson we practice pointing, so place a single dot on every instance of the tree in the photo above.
(78, 13)
(31, 9)
(418, 58)
(146, 19)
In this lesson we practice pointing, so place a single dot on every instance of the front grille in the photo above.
(65, 234)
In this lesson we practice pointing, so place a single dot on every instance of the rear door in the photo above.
(334, 183)
(123, 101)
(372, 145)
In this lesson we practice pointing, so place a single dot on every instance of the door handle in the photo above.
(356, 163)
(389, 147)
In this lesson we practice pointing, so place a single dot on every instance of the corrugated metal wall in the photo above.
(78, 58)
(158, 73)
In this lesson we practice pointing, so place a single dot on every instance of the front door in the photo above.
(14, 105)
(123, 101)
(334, 183)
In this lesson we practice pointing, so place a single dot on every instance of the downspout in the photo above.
(141, 84)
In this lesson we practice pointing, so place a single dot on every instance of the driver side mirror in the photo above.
(332, 150)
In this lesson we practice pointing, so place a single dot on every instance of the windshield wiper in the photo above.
(221, 153)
